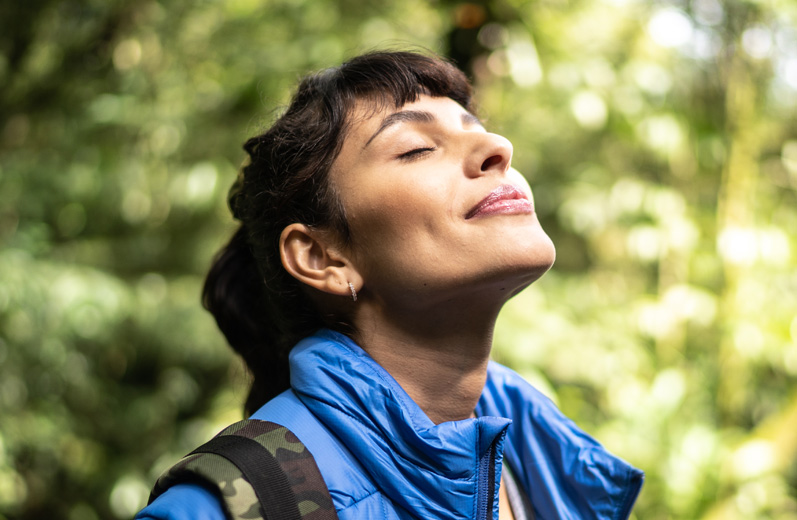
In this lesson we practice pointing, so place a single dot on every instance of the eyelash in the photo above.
(416, 153)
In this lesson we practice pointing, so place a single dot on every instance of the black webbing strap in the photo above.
(262, 470)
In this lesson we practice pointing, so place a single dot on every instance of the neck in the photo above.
(439, 360)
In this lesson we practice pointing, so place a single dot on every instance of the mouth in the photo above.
(505, 199)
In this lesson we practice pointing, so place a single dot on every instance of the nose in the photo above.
(491, 154)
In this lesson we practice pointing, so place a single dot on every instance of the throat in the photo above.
(445, 376)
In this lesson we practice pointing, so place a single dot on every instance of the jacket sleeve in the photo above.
(183, 502)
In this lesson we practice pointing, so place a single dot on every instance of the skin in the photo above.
(430, 280)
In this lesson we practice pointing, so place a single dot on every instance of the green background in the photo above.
(659, 137)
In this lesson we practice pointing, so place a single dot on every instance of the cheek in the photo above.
(388, 224)
(390, 212)
(393, 230)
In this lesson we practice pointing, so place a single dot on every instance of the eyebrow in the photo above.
(417, 116)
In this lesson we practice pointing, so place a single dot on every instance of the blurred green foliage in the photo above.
(660, 138)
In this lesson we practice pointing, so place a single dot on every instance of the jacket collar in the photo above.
(429, 470)
(432, 471)
(566, 473)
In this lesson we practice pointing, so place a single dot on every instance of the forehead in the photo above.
(369, 116)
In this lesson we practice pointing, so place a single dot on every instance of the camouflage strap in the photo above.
(260, 471)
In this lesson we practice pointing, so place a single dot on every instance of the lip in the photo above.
(505, 199)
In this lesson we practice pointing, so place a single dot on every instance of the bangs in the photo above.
(400, 78)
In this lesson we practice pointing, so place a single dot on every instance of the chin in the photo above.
(521, 268)
(531, 247)
(539, 253)
(547, 256)
(539, 258)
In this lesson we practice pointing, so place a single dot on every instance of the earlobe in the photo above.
(310, 257)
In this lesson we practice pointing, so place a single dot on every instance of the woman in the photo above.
(382, 230)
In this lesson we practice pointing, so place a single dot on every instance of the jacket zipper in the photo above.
(486, 484)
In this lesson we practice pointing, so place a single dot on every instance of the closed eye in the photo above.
(416, 153)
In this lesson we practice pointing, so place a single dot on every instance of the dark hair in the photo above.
(261, 309)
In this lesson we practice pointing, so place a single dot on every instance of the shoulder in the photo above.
(193, 487)
(347, 481)
(184, 502)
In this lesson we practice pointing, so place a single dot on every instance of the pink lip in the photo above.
(505, 199)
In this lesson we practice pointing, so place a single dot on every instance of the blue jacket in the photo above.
(381, 456)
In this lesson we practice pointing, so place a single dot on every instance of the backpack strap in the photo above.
(259, 470)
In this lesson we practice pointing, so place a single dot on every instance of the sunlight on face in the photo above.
(434, 207)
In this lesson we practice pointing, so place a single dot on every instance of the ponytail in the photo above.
(235, 294)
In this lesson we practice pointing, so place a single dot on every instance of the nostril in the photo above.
(491, 162)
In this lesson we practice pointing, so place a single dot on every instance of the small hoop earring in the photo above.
(353, 292)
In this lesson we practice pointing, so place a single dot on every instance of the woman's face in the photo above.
(435, 210)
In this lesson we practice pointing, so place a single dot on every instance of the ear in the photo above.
(312, 257)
